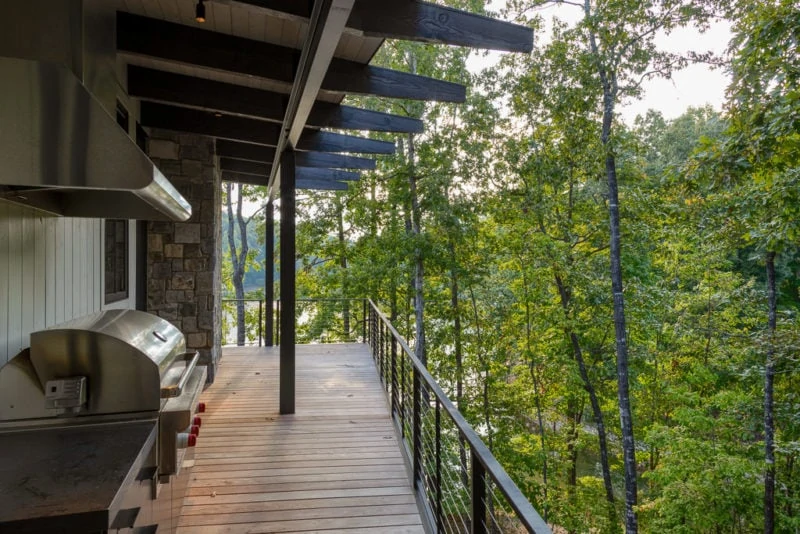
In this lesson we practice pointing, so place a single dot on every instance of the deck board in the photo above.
(333, 466)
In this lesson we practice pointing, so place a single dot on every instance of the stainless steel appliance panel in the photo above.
(123, 353)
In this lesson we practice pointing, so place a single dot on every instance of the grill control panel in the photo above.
(66, 394)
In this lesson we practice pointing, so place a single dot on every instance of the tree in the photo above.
(241, 255)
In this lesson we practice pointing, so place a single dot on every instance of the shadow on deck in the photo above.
(333, 466)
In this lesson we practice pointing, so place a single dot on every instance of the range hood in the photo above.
(61, 152)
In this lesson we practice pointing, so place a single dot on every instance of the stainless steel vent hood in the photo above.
(60, 151)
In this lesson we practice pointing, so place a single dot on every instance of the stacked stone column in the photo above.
(184, 259)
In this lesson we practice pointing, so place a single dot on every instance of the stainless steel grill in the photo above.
(118, 373)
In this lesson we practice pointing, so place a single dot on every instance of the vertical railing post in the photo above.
(364, 326)
(439, 522)
(416, 423)
(478, 492)
(381, 357)
(403, 394)
(278, 322)
(260, 320)
(394, 376)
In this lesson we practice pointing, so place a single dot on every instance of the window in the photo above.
(116, 260)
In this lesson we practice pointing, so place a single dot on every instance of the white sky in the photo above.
(697, 85)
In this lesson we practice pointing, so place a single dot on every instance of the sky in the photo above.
(695, 86)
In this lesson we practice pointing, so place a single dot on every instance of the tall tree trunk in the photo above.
(238, 257)
(343, 265)
(535, 379)
(459, 357)
(597, 412)
(769, 402)
(609, 84)
(419, 268)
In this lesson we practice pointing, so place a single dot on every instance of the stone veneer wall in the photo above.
(184, 259)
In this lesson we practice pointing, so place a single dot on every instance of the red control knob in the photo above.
(192, 441)
(201, 407)
(194, 430)
(197, 421)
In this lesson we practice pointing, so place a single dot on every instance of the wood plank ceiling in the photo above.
(262, 76)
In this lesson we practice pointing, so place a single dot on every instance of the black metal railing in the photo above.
(462, 486)
(253, 334)
(318, 320)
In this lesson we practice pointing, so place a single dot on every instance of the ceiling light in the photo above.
(200, 12)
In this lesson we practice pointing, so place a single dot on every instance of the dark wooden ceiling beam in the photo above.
(415, 21)
(161, 86)
(184, 44)
(156, 115)
(262, 169)
(263, 154)
(334, 161)
(423, 21)
(245, 151)
(321, 185)
(331, 142)
(251, 179)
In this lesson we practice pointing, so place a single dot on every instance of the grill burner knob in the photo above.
(186, 440)
(194, 430)
(201, 407)
(197, 421)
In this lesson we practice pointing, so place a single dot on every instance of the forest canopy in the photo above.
(613, 306)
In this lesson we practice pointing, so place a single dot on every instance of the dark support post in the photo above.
(287, 378)
(416, 422)
(269, 283)
(478, 495)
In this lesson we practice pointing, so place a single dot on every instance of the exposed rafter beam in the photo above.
(251, 179)
(415, 21)
(184, 44)
(259, 153)
(262, 170)
(247, 151)
(321, 185)
(334, 161)
(189, 120)
(161, 86)
(423, 21)
(331, 142)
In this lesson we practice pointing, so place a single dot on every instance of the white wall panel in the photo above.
(50, 272)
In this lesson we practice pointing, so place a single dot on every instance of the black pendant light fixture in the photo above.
(200, 12)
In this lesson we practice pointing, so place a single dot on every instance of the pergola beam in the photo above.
(210, 95)
(266, 133)
(187, 45)
(250, 152)
(305, 183)
(414, 21)
(262, 170)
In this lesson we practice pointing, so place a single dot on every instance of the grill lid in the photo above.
(125, 356)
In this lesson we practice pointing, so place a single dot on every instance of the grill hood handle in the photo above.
(175, 390)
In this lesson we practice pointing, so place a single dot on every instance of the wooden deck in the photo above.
(334, 466)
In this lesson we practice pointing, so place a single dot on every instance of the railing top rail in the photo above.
(242, 300)
(524, 509)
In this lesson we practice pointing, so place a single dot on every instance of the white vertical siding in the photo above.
(50, 272)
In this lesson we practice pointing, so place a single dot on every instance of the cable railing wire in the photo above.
(476, 498)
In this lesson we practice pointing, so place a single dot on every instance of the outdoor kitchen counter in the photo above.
(70, 478)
